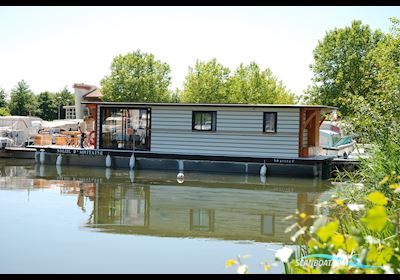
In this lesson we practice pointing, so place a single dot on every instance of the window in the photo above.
(125, 128)
(270, 122)
(202, 220)
(70, 113)
(204, 121)
(267, 224)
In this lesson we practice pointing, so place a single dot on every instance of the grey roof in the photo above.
(212, 105)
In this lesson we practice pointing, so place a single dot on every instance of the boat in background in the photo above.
(65, 124)
(18, 131)
(333, 141)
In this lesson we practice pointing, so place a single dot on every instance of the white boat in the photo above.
(18, 131)
(333, 142)
(57, 125)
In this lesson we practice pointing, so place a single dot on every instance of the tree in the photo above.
(63, 98)
(251, 85)
(47, 106)
(377, 115)
(22, 101)
(137, 77)
(4, 112)
(176, 96)
(206, 83)
(3, 101)
(342, 68)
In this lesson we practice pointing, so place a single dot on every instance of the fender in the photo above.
(92, 137)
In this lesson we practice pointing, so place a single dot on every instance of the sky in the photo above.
(53, 47)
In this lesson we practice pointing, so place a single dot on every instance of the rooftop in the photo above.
(95, 93)
(148, 104)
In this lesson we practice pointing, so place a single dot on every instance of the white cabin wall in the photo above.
(239, 132)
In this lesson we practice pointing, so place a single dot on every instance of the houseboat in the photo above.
(203, 137)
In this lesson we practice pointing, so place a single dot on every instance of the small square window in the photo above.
(204, 121)
(202, 220)
(270, 121)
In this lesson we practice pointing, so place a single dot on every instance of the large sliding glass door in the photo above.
(125, 128)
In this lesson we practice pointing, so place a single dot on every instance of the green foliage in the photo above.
(357, 69)
(23, 102)
(366, 237)
(3, 100)
(371, 236)
(327, 231)
(377, 198)
(4, 112)
(64, 97)
(251, 85)
(210, 82)
(176, 96)
(137, 77)
(47, 107)
(343, 68)
(384, 159)
(206, 83)
(376, 218)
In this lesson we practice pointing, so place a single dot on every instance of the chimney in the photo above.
(80, 91)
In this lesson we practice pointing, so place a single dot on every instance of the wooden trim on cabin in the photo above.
(310, 120)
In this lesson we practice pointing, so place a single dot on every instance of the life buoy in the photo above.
(92, 137)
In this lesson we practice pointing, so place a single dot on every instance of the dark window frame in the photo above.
(275, 124)
(211, 221)
(102, 109)
(213, 121)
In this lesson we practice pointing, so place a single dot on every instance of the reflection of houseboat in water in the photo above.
(180, 211)
(203, 137)
(211, 209)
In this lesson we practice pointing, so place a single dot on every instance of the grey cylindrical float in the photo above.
(132, 161)
(180, 165)
(108, 173)
(59, 160)
(42, 156)
(108, 161)
(132, 175)
(59, 170)
(41, 170)
(263, 170)
(37, 155)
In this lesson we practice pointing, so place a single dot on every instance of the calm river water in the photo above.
(92, 220)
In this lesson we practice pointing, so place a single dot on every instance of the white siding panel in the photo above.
(239, 132)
